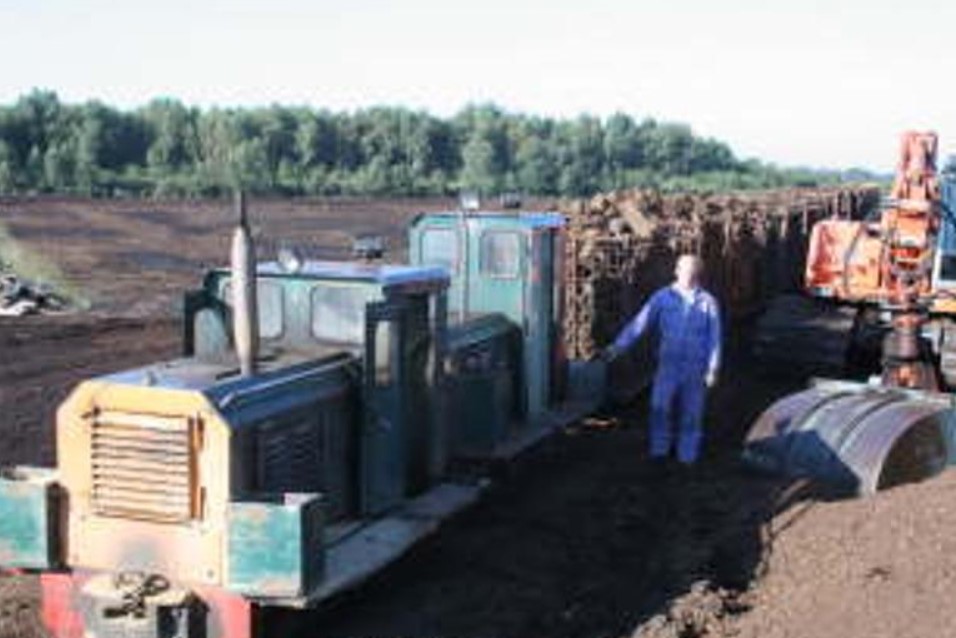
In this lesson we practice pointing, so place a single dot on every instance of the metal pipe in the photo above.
(245, 306)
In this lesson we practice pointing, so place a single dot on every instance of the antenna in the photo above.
(240, 204)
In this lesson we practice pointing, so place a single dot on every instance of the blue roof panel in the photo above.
(383, 274)
(531, 220)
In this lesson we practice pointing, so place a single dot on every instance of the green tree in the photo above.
(217, 139)
(479, 170)
(316, 140)
(170, 149)
(623, 148)
(8, 169)
(251, 165)
(174, 142)
(582, 165)
(59, 168)
(669, 149)
(537, 171)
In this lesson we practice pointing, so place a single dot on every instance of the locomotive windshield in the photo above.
(500, 254)
(338, 312)
(440, 248)
(271, 319)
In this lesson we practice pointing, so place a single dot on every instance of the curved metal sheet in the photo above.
(767, 446)
(816, 444)
(861, 440)
(777, 419)
(910, 432)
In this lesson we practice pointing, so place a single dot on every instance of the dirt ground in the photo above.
(135, 258)
(580, 538)
(42, 358)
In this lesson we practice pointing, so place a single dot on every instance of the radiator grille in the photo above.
(144, 467)
(290, 456)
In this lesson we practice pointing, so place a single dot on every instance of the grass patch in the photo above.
(33, 267)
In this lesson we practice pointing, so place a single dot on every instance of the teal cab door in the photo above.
(438, 241)
(542, 331)
(383, 447)
(498, 263)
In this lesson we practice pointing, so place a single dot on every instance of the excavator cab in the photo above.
(944, 269)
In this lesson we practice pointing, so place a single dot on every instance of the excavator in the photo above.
(897, 275)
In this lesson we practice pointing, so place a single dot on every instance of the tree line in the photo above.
(166, 148)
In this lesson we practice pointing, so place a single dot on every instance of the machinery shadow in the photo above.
(718, 522)
(583, 537)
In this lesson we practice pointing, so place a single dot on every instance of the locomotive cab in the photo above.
(505, 305)
(390, 321)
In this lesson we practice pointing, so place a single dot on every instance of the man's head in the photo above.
(688, 271)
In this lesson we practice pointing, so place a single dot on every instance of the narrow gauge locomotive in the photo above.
(307, 436)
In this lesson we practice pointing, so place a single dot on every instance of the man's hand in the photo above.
(711, 379)
(610, 353)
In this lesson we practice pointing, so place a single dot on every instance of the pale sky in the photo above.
(805, 82)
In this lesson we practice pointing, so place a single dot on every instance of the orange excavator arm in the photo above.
(886, 261)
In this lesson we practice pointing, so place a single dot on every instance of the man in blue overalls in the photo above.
(687, 320)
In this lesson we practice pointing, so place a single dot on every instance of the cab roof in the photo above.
(530, 220)
(382, 274)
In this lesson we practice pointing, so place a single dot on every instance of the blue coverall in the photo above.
(688, 323)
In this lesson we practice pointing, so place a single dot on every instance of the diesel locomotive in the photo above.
(307, 436)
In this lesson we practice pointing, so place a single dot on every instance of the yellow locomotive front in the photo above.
(147, 474)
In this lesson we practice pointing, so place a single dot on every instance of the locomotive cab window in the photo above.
(271, 318)
(338, 313)
(500, 254)
(440, 248)
(383, 354)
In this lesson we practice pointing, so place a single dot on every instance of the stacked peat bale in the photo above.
(623, 245)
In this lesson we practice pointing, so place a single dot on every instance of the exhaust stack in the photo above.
(245, 305)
